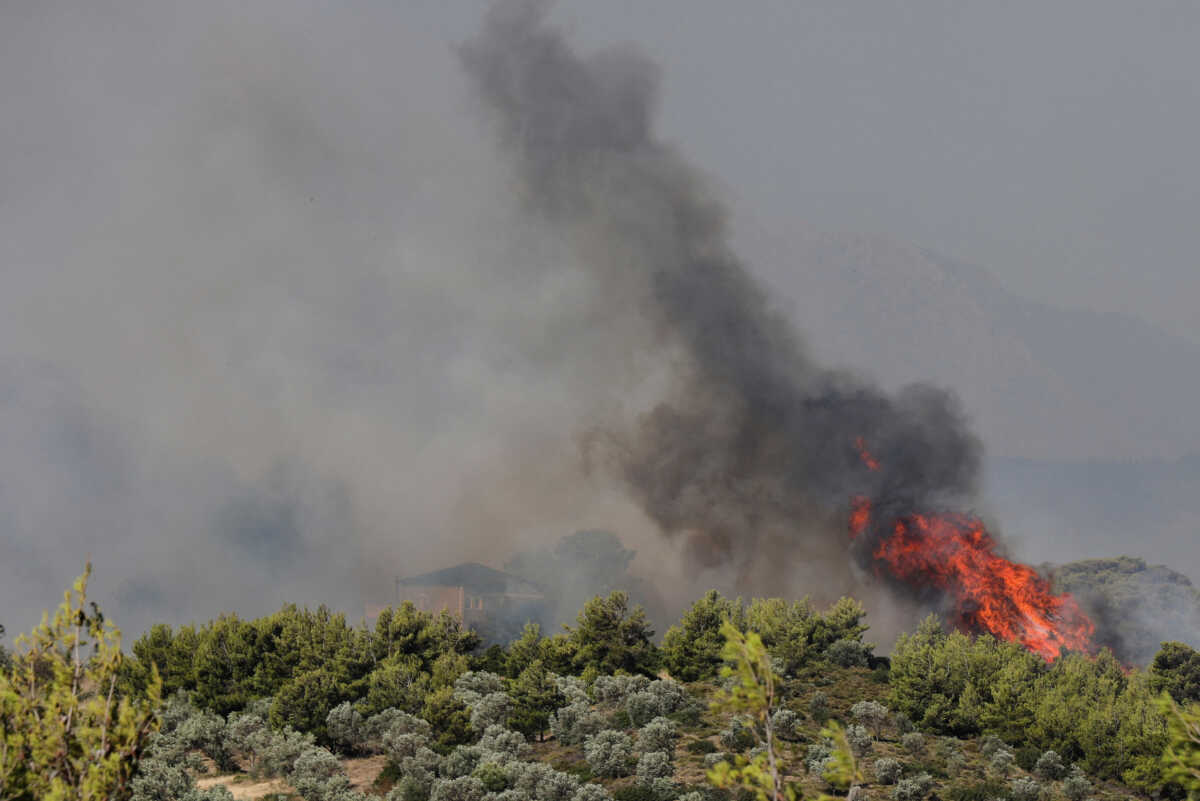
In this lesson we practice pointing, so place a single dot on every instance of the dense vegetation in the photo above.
(595, 711)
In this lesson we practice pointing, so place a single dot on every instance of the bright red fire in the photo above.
(955, 554)
(870, 461)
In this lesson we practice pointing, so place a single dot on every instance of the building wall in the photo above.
(435, 599)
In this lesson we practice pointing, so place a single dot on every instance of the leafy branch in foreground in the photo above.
(66, 732)
(1182, 756)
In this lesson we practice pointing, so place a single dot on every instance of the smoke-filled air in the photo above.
(754, 452)
(297, 299)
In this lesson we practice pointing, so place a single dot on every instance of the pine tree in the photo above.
(66, 733)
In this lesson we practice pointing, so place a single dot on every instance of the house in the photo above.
(492, 602)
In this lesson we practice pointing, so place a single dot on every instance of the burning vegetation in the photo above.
(954, 554)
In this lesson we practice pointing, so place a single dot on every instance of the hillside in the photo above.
(1041, 382)
(1137, 606)
(893, 761)
(301, 705)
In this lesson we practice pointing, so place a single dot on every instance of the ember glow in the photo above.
(956, 555)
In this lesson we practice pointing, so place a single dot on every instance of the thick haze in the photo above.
(274, 324)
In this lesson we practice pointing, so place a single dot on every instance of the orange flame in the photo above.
(860, 515)
(991, 593)
(955, 554)
(870, 461)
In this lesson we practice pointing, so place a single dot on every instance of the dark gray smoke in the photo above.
(751, 441)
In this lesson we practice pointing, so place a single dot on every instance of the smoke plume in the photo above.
(749, 454)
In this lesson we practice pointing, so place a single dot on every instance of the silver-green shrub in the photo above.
(658, 735)
(888, 770)
(608, 753)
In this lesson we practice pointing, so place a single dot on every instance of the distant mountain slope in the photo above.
(1059, 511)
(1136, 606)
(1041, 382)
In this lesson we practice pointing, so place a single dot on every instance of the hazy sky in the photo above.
(262, 336)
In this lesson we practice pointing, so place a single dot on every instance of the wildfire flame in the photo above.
(955, 554)
(870, 461)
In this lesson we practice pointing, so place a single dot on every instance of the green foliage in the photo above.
(1176, 670)
(793, 633)
(448, 717)
(5, 659)
(752, 694)
(304, 702)
(553, 652)
(1085, 709)
(611, 638)
(535, 696)
(1181, 757)
(888, 770)
(66, 734)
(691, 648)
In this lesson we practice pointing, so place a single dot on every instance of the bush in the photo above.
(475, 684)
(280, 753)
(505, 742)
(738, 736)
(817, 757)
(786, 724)
(615, 689)
(1025, 789)
(345, 727)
(913, 742)
(591, 792)
(663, 787)
(860, 739)
(608, 753)
(573, 689)
(492, 709)
(400, 745)
(574, 723)
(207, 732)
(1002, 761)
(658, 735)
(158, 780)
(913, 789)
(848, 653)
(1050, 766)
(462, 761)
(642, 707)
(701, 747)
(493, 776)
(542, 782)
(382, 732)
(871, 714)
(989, 744)
(464, 788)
(669, 696)
(888, 770)
(654, 765)
(1076, 786)
(818, 706)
